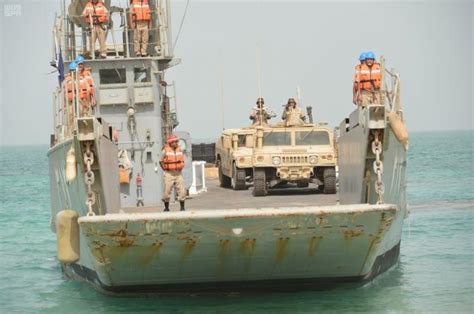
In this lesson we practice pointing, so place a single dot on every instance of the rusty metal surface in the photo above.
(238, 244)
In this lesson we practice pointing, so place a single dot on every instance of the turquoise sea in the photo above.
(435, 272)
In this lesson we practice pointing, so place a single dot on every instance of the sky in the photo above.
(310, 44)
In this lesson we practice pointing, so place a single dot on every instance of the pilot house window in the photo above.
(112, 76)
(142, 75)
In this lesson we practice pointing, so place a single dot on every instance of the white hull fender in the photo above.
(214, 249)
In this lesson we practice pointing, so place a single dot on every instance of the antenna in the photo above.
(257, 64)
(298, 95)
(221, 92)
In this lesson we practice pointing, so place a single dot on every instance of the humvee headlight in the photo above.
(313, 159)
(276, 160)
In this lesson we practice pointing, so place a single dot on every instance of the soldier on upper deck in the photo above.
(140, 17)
(260, 114)
(97, 17)
(292, 114)
(367, 81)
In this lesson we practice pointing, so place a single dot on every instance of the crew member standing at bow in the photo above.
(86, 74)
(368, 80)
(77, 88)
(140, 16)
(172, 163)
(97, 16)
(356, 85)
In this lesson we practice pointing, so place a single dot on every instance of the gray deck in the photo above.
(221, 198)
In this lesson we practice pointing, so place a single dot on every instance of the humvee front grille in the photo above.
(294, 159)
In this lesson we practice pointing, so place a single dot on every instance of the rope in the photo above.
(181, 25)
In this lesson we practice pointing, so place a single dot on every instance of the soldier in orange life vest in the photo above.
(97, 16)
(140, 16)
(355, 88)
(76, 87)
(86, 73)
(172, 163)
(368, 81)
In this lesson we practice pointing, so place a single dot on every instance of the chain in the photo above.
(89, 179)
(378, 166)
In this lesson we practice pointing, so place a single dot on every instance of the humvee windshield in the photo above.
(241, 140)
(312, 138)
(276, 138)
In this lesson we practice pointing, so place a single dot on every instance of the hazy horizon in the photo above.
(311, 44)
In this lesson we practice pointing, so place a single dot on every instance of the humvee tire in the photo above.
(238, 178)
(224, 181)
(329, 176)
(259, 182)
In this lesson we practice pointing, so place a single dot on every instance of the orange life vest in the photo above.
(86, 74)
(140, 11)
(84, 89)
(124, 177)
(369, 77)
(172, 159)
(97, 11)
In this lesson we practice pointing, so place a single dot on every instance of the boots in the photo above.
(181, 203)
(167, 206)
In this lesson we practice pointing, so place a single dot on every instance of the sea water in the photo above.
(435, 272)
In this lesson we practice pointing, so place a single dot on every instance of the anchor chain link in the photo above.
(89, 179)
(378, 167)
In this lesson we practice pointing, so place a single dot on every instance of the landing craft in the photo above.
(115, 237)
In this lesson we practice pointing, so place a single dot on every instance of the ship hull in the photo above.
(273, 249)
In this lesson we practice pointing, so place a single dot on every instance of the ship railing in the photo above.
(74, 39)
(391, 88)
(65, 112)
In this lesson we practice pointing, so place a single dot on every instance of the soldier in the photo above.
(140, 16)
(76, 87)
(293, 115)
(97, 16)
(172, 163)
(260, 114)
(355, 88)
(86, 74)
(368, 81)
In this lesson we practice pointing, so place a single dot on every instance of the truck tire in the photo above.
(329, 176)
(224, 181)
(238, 178)
(259, 182)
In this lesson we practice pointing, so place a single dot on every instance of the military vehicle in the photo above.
(299, 154)
(234, 151)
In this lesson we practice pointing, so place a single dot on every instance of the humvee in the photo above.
(234, 151)
(300, 154)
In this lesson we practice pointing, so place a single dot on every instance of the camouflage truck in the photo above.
(299, 154)
(234, 152)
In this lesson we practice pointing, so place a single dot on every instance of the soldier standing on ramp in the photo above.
(172, 163)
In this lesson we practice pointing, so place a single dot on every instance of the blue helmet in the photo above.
(362, 56)
(72, 66)
(80, 59)
(370, 55)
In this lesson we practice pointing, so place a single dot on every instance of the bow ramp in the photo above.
(238, 248)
